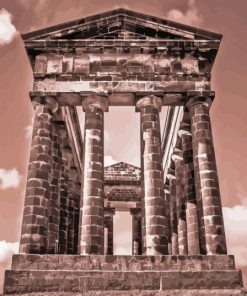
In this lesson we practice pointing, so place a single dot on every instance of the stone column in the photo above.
(106, 231)
(55, 189)
(92, 212)
(173, 211)
(64, 192)
(189, 189)
(70, 203)
(77, 199)
(154, 200)
(136, 231)
(206, 178)
(180, 201)
(143, 220)
(35, 217)
(168, 214)
(108, 223)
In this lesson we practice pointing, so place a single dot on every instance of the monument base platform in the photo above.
(123, 275)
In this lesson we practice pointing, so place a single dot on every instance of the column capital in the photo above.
(154, 101)
(49, 101)
(199, 97)
(96, 100)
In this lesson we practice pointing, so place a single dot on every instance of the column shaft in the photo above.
(143, 251)
(108, 224)
(208, 193)
(173, 216)
(156, 222)
(168, 214)
(55, 188)
(77, 196)
(136, 231)
(189, 191)
(64, 193)
(70, 203)
(181, 208)
(92, 212)
(35, 216)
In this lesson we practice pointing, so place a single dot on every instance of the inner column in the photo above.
(156, 234)
(92, 212)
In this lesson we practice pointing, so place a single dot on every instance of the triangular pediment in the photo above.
(122, 171)
(120, 24)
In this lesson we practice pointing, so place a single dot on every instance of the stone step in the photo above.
(196, 292)
(83, 281)
(122, 263)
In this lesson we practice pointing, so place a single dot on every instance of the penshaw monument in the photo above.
(122, 58)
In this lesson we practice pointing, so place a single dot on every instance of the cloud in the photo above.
(190, 17)
(9, 179)
(43, 13)
(235, 220)
(108, 160)
(123, 5)
(28, 131)
(7, 29)
(7, 250)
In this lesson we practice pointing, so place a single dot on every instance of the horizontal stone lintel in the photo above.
(101, 43)
(122, 205)
(120, 98)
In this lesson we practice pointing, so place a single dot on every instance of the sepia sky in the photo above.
(228, 112)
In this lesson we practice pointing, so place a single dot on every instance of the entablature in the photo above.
(127, 98)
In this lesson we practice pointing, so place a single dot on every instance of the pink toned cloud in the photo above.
(122, 5)
(9, 179)
(28, 131)
(109, 160)
(6, 252)
(7, 29)
(190, 17)
(235, 219)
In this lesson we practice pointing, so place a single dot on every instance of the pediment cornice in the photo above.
(112, 23)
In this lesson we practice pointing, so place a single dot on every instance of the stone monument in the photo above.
(122, 58)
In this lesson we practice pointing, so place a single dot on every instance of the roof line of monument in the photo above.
(122, 11)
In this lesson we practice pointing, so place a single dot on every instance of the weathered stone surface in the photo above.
(35, 221)
(70, 273)
(194, 292)
(136, 231)
(131, 263)
(141, 61)
(117, 64)
(55, 189)
(180, 202)
(156, 224)
(207, 186)
(173, 216)
(80, 281)
(108, 223)
(119, 86)
(92, 212)
(189, 189)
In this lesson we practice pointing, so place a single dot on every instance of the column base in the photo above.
(120, 275)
